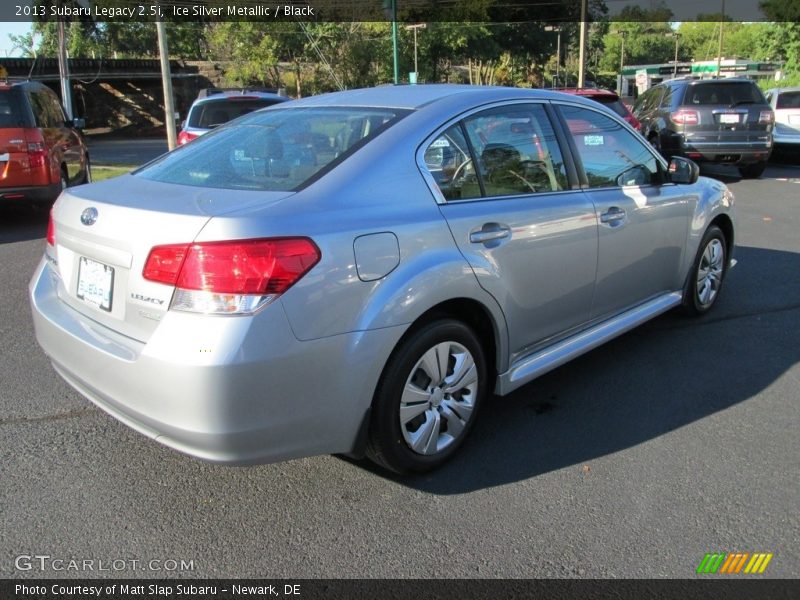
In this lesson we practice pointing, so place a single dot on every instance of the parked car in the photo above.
(785, 102)
(41, 153)
(215, 107)
(356, 272)
(724, 121)
(606, 98)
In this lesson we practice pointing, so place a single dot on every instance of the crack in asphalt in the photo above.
(70, 414)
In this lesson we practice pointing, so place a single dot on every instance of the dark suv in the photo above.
(726, 121)
(41, 153)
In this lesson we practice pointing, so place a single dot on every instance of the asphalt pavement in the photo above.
(125, 151)
(677, 439)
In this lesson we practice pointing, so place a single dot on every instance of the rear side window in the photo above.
(613, 103)
(278, 150)
(788, 100)
(46, 109)
(722, 93)
(213, 114)
(516, 150)
(9, 110)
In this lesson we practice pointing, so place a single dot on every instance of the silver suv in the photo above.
(725, 121)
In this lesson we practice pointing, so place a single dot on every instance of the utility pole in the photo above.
(394, 43)
(63, 70)
(719, 49)
(582, 53)
(166, 80)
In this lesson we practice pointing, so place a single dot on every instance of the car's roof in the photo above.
(590, 92)
(227, 96)
(417, 96)
(781, 90)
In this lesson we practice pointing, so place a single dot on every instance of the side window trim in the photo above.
(660, 161)
(473, 157)
(573, 184)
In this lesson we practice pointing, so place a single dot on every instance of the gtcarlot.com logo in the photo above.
(734, 563)
(45, 562)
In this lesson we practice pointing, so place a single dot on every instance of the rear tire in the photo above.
(754, 170)
(428, 398)
(707, 274)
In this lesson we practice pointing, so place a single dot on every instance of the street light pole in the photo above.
(719, 49)
(414, 28)
(675, 69)
(622, 34)
(394, 43)
(557, 29)
(166, 80)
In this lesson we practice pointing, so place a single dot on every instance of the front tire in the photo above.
(708, 273)
(428, 397)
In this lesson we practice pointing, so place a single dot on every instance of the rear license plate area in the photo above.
(728, 118)
(95, 283)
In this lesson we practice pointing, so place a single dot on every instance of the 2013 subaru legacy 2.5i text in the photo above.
(356, 272)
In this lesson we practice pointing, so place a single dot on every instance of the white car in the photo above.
(786, 104)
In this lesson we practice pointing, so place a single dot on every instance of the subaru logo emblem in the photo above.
(89, 216)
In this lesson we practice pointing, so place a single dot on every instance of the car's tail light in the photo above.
(51, 231)
(37, 154)
(233, 277)
(685, 117)
(766, 116)
(185, 137)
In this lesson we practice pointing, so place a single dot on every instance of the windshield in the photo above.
(275, 150)
(727, 94)
(613, 103)
(788, 100)
(217, 112)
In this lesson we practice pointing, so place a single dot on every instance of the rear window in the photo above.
(726, 94)
(217, 112)
(9, 110)
(277, 150)
(788, 100)
(613, 103)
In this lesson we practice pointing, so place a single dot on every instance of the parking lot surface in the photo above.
(677, 439)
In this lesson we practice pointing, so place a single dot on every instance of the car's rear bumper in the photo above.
(726, 152)
(40, 194)
(786, 139)
(225, 389)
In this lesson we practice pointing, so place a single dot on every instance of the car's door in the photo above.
(503, 185)
(643, 221)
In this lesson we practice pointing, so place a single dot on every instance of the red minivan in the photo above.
(41, 153)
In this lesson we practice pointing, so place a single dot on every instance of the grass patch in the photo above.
(101, 172)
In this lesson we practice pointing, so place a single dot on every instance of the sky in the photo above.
(7, 28)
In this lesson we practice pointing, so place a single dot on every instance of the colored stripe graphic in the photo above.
(733, 562)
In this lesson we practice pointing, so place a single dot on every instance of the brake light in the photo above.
(37, 154)
(51, 231)
(766, 116)
(685, 117)
(184, 137)
(234, 277)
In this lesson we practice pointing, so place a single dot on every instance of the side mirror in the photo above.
(683, 170)
(78, 123)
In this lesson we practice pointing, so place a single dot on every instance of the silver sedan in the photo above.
(357, 272)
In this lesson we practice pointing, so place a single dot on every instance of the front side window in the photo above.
(276, 150)
(611, 155)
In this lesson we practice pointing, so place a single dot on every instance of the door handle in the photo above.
(612, 215)
(490, 232)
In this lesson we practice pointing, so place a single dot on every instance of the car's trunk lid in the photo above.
(104, 233)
